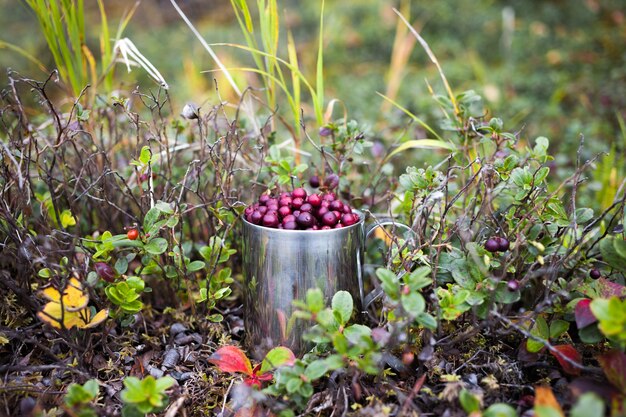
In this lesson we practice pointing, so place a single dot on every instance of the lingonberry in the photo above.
(314, 181)
(503, 244)
(297, 202)
(299, 193)
(314, 200)
(331, 181)
(306, 207)
(512, 285)
(348, 219)
(305, 219)
(595, 274)
(329, 219)
(264, 199)
(284, 211)
(257, 217)
(270, 220)
(105, 271)
(290, 226)
(132, 234)
(492, 245)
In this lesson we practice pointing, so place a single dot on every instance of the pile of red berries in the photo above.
(298, 210)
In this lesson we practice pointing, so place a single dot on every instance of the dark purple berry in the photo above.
(347, 208)
(305, 219)
(296, 213)
(105, 271)
(503, 244)
(322, 211)
(299, 193)
(329, 219)
(248, 211)
(331, 181)
(595, 274)
(512, 285)
(325, 131)
(262, 210)
(306, 207)
(314, 181)
(492, 245)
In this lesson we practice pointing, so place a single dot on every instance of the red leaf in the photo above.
(567, 351)
(614, 365)
(583, 314)
(231, 359)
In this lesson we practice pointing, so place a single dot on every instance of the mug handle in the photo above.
(385, 221)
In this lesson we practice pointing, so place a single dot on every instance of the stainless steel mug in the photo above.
(279, 266)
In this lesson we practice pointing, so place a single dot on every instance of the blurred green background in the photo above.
(555, 68)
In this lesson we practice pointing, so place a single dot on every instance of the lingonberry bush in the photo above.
(121, 262)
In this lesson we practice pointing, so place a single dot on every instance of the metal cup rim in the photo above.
(308, 232)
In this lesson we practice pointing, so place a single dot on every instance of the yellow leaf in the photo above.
(97, 319)
(73, 296)
(53, 314)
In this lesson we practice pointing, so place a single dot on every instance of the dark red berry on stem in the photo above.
(595, 274)
(512, 285)
(132, 234)
(305, 219)
(105, 271)
(314, 181)
(492, 245)
(299, 193)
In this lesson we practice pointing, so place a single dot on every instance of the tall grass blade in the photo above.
(412, 116)
(434, 60)
(421, 143)
(319, 82)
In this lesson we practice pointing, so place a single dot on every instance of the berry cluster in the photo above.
(497, 244)
(298, 210)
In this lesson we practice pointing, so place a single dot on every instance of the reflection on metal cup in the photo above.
(279, 267)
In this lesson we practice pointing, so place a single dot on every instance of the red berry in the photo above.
(297, 202)
(264, 199)
(314, 200)
(105, 271)
(492, 245)
(262, 210)
(132, 234)
(349, 219)
(322, 211)
(290, 226)
(284, 211)
(329, 219)
(595, 274)
(325, 227)
(329, 197)
(270, 220)
(257, 217)
(306, 207)
(299, 193)
(336, 205)
(289, 218)
(284, 201)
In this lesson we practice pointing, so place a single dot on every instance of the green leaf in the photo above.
(610, 255)
(156, 246)
(418, 279)
(67, 219)
(557, 328)
(600, 309)
(500, 410)
(316, 369)
(546, 411)
(468, 401)
(421, 144)
(356, 333)
(427, 321)
(413, 303)
(389, 283)
(583, 215)
(145, 155)
(164, 383)
(164, 207)
(588, 404)
(195, 266)
(150, 218)
(620, 247)
(342, 303)
(121, 265)
(540, 329)
(277, 357)
(315, 300)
